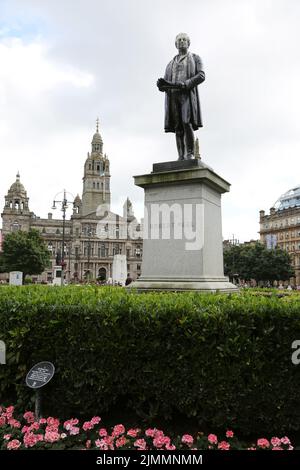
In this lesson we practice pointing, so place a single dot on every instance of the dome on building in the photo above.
(17, 187)
(289, 199)
(97, 138)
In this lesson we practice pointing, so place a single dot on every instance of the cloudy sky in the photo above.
(65, 62)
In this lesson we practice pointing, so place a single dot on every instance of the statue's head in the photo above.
(182, 40)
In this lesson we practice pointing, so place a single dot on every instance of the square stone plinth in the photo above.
(182, 231)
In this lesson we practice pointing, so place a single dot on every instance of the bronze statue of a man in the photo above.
(182, 108)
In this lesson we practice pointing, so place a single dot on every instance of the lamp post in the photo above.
(89, 233)
(64, 205)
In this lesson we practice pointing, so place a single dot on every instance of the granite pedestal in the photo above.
(182, 248)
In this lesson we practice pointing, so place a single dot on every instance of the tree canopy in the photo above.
(257, 262)
(24, 251)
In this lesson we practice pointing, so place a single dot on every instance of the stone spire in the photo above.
(96, 178)
(97, 142)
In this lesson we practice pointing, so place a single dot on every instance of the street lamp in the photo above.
(64, 205)
(89, 233)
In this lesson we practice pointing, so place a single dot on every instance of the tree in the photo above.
(258, 262)
(26, 252)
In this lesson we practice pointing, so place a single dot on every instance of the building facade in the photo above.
(92, 235)
(281, 228)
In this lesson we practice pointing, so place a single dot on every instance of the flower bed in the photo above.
(50, 433)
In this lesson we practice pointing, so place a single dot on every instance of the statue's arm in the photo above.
(200, 75)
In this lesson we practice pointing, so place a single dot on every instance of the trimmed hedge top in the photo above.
(220, 358)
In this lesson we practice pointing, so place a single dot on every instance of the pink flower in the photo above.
(51, 436)
(70, 423)
(160, 440)
(140, 443)
(263, 443)
(276, 442)
(7, 437)
(212, 439)
(53, 422)
(118, 430)
(87, 426)
(229, 433)
(133, 432)
(9, 411)
(102, 432)
(95, 420)
(285, 440)
(187, 439)
(170, 447)
(13, 445)
(121, 441)
(14, 423)
(31, 439)
(29, 417)
(43, 421)
(224, 445)
(63, 435)
(150, 432)
(2, 421)
(101, 444)
(290, 448)
(74, 431)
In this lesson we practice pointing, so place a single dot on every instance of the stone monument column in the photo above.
(183, 248)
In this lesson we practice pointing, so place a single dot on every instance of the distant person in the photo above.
(128, 280)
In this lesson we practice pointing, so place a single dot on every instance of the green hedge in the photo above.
(225, 360)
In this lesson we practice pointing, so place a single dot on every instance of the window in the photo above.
(138, 252)
(103, 251)
(77, 232)
(128, 253)
(138, 267)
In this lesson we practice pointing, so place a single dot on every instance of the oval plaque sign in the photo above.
(40, 374)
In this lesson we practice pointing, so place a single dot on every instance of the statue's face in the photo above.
(182, 41)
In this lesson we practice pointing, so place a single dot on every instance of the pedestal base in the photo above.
(182, 232)
(212, 285)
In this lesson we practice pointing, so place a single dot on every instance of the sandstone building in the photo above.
(92, 235)
(281, 227)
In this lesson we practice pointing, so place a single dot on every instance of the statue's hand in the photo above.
(181, 85)
(159, 84)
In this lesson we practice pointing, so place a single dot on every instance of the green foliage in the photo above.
(225, 360)
(26, 252)
(257, 262)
